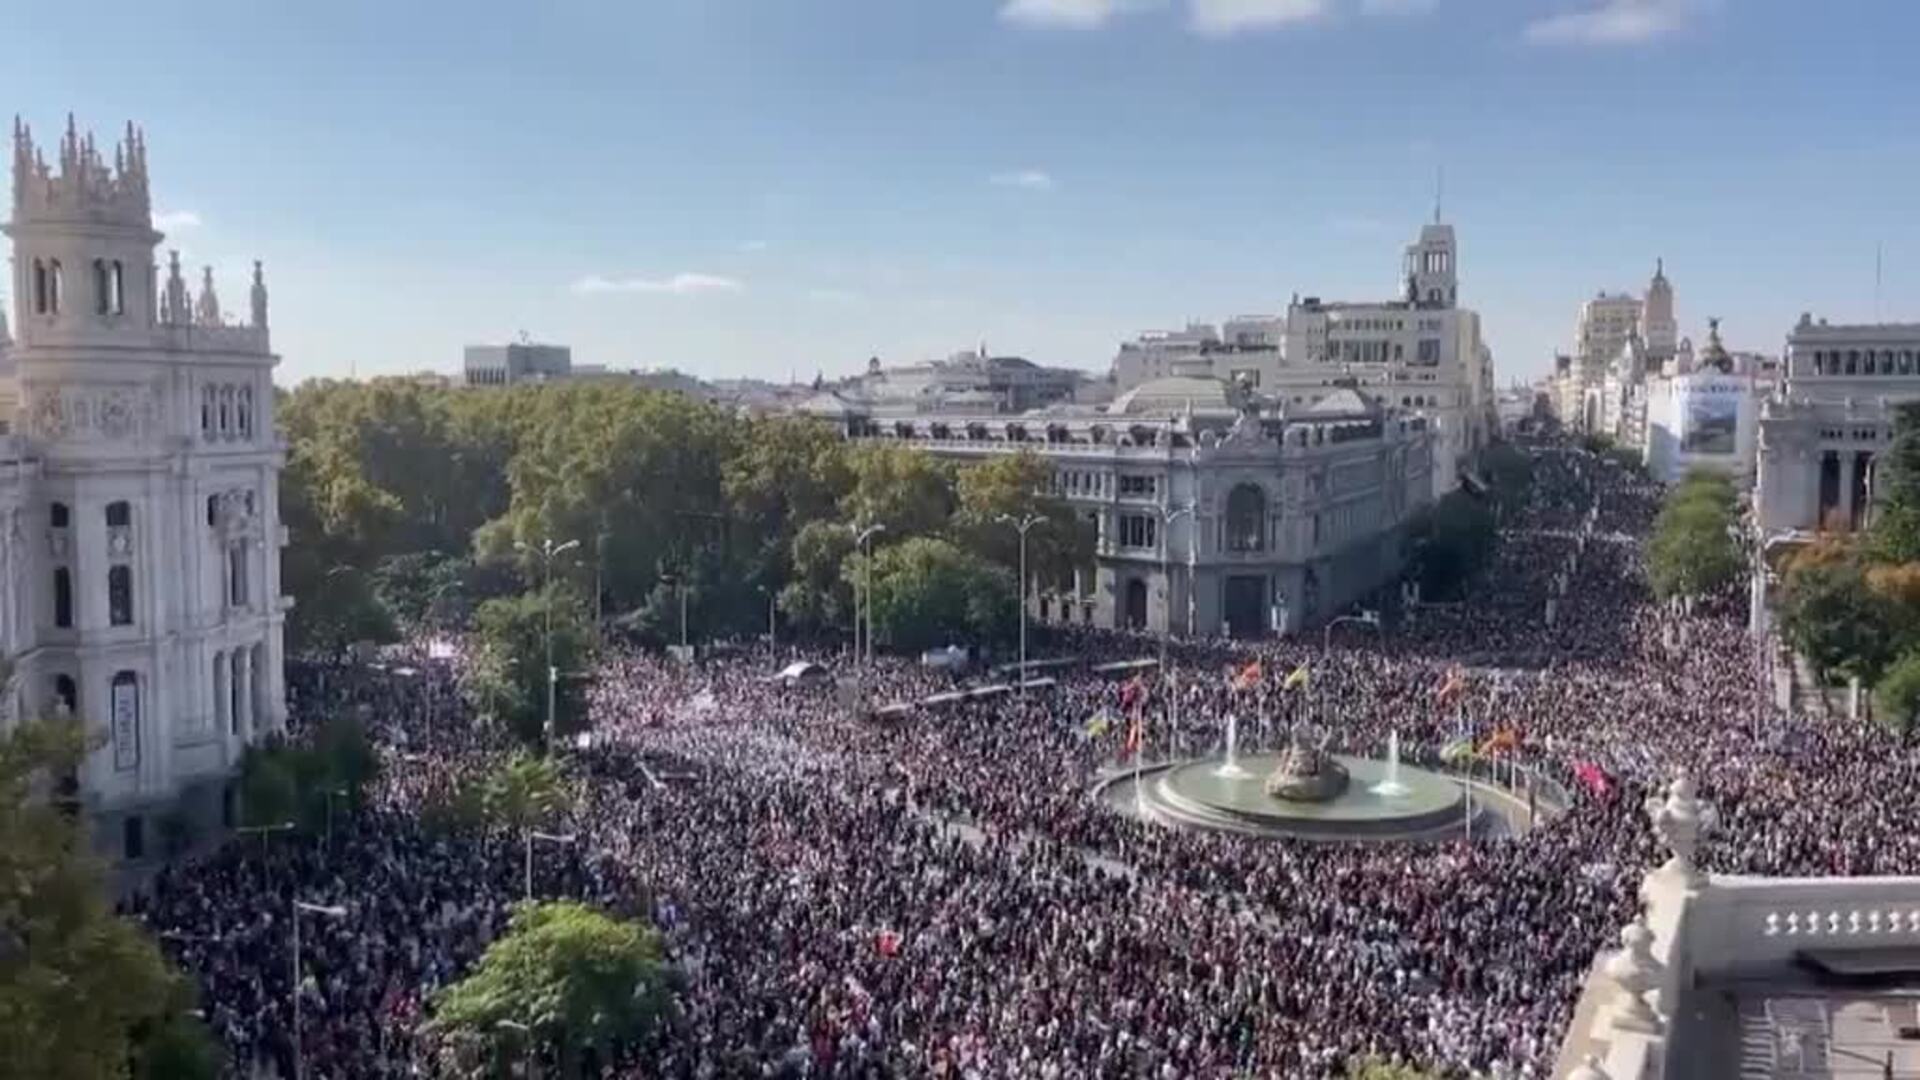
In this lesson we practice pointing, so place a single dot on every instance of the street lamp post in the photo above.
(547, 551)
(1021, 525)
(336, 792)
(550, 838)
(866, 588)
(526, 1042)
(331, 911)
(265, 831)
(1168, 515)
(767, 591)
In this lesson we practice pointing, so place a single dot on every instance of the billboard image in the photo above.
(1712, 422)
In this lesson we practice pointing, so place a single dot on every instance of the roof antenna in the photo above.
(1439, 190)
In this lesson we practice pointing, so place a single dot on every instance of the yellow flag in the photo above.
(1298, 678)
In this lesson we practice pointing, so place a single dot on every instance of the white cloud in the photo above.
(1029, 179)
(1398, 7)
(834, 296)
(1611, 22)
(1060, 14)
(1222, 18)
(176, 219)
(683, 284)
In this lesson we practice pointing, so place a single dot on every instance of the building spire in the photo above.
(207, 312)
(178, 312)
(259, 297)
(1439, 191)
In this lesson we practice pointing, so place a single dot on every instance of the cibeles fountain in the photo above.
(1307, 791)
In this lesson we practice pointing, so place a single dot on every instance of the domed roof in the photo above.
(1176, 394)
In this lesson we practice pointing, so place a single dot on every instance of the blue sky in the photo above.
(766, 187)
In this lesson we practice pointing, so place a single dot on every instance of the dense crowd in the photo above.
(941, 895)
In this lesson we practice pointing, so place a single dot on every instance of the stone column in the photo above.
(242, 695)
(222, 700)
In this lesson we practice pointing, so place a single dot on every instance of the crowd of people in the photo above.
(940, 893)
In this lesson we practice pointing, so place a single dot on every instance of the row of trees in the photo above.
(1694, 552)
(416, 507)
(1453, 539)
(1851, 603)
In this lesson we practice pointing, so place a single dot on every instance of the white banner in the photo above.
(126, 724)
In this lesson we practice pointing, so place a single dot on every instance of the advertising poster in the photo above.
(1712, 423)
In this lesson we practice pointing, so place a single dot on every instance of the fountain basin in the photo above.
(1207, 794)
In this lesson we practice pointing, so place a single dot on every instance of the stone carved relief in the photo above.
(94, 414)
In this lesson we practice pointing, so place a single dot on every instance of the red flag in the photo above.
(888, 942)
(1247, 677)
(1452, 686)
(1135, 736)
(1594, 777)
(1134, 693)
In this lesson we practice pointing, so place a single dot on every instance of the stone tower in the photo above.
(1658, 327)
(149, 563)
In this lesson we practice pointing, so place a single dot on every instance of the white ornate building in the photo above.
(139, 500)
(1420, 352)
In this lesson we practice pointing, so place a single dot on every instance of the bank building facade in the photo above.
(139, 498)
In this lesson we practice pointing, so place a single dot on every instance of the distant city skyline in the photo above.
(735, 189)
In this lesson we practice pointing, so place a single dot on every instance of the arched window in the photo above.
(237, 575)
(206, 411)
(243, 405)
(119, 514)
(117, 289)
(120, 595)
(63, 598)
(226, 409)
(42, 288)
(1247, 518)
(54, 287)
(58, 516)
(102, 288)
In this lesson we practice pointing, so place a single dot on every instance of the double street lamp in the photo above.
(548, 551)
(1021, 525)
(860, 541)
(331, 911)
(547, 838)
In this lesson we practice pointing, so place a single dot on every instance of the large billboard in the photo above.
(1710, 418)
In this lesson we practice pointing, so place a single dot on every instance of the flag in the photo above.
(1457, 751)
(1594, 777)
(1100, 724)
(1247, 677)
(1298, 678)
(887, 942)
(1500, 742)
(1452, 686)
(1135, 736)
(1134, 693)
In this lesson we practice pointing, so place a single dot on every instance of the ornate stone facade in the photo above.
(144, 466)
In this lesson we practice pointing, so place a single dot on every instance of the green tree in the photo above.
(905, 489)
(929, 592)
(819, 597)
(1895, 534)
(77, 983)
(1693, 552)
(179, 1046)
(1016, 486)
(509, 676)
(1833, 618)
(522, 792)
(1509, 473)
(269, 793)
(582, 981)
(1898, 693)
(1452, 540)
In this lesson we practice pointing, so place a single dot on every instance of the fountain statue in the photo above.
(1231, 767)
(1307, 774)
(1390, 785)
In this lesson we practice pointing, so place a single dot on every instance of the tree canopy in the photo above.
(1693, 552)
(414, 506)
(79, 986)
(579, 979)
